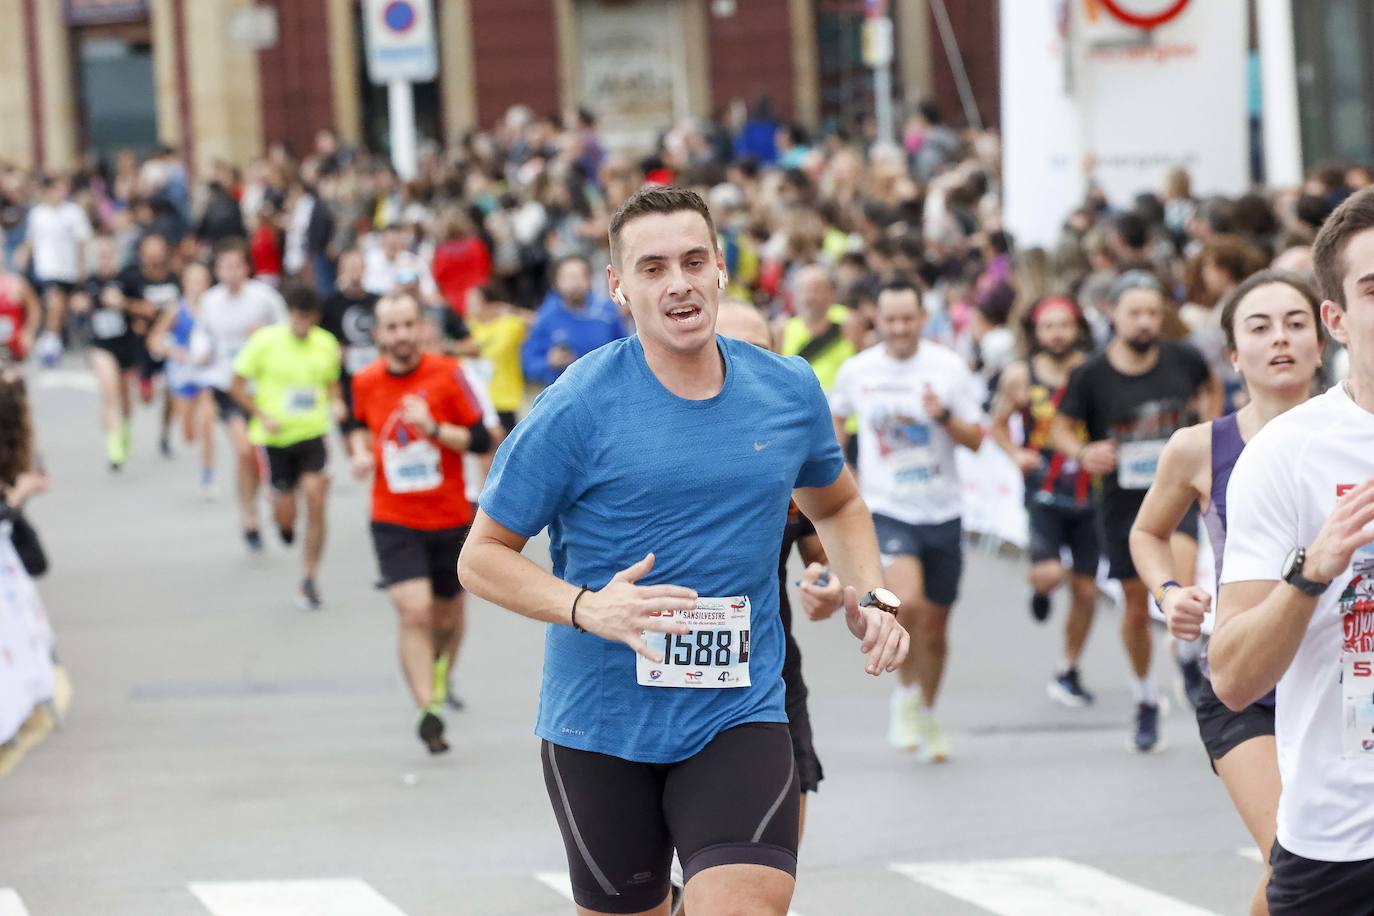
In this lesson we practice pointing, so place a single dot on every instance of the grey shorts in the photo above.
(938, 548)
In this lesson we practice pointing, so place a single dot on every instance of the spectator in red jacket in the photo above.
(461, 261)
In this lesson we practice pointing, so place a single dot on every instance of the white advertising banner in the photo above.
(634, 74)
(26, 667)
(1083, 78)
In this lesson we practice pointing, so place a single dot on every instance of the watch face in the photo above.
(1290, 564)
(886, 598)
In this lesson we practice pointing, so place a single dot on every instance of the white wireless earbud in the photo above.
(720, 280)
(620, 297)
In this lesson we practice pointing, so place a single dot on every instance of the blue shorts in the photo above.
(938, 548)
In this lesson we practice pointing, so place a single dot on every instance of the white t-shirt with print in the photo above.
(907, 469)
(1283, 487)
(226, 322)
(57, 234)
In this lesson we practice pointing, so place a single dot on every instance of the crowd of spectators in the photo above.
(512, 220)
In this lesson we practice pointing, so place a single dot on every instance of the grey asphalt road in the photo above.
(221, 738)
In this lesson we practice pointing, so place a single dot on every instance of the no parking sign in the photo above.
(400, 41)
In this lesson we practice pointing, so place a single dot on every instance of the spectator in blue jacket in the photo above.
(570, 324)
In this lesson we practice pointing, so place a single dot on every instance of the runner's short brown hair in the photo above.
(1351, 218)
(656, 199)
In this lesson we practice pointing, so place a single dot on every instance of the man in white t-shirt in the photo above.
(229, 314)
(915, 401)
(56, 233)
(1296, 607)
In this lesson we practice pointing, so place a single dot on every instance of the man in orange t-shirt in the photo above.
(416, 417)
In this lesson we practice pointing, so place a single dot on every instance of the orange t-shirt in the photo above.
(418, 483)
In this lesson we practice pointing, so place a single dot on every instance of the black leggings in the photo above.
(736, 802)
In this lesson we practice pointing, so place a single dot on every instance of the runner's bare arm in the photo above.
(33, 312)
(845, 527)
(159, 335)
(1261, 623)
(1182, 477)
(360, 451)
(491, 566)
(1011, 397)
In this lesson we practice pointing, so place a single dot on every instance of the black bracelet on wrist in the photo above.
(434, 429)
(585, 589)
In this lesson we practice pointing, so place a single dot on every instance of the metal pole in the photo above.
(882, 93)
(400, 103)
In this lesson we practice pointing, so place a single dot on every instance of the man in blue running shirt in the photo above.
(662, 465)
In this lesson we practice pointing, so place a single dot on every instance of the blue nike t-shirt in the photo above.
(616, 466)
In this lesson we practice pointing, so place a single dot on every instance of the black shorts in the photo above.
(1052, 528)
(286, 464)
(226, 405)
(66, 287)
(938, 548)
(1222, 730)
(809, 772)
(1116, 517)
(410, 553)
(127, 349)
(1306, 887)
(735, 802)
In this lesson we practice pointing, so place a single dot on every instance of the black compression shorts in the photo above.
(734, 803)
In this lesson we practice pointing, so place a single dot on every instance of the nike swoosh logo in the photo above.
(760, 446)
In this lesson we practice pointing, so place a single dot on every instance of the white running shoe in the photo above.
(48, 349)
(934, 746)
(903, 724)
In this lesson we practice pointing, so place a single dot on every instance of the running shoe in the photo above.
(254, 540)
(934, 746)
(903, 724)
(1147, 728)
(452, 700)
(126, 431)
(288, 535)
(48, 349)
(1192, 681)
(1066, 689)
(1040, 607)
(164, 445)
(309, 596)
(115, 450)
(432, 732)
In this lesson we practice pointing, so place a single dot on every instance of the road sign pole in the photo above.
(882, 91)
(401, 113)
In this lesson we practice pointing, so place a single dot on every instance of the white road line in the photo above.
(10, 904)
(66, 378)
(1251, 853)
(1044, 887)
(345, 897)
(559, 882)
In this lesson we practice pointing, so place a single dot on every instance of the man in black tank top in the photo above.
(1058, 492)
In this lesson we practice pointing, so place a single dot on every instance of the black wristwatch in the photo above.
(1292, 574)
(882, 599)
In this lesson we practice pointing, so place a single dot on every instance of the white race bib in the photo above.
(1136, 463)
(412, 468)
(914, 469)
(356, 359)
(301, 400)
(1357, 706)
(108, 323)
(714, 654)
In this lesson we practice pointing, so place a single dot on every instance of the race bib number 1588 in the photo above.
(715, 653)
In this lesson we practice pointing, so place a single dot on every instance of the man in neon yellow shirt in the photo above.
(817, 333)
(499, 333)
(294, 368)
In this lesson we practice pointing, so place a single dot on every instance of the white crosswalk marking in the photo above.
(1044, 887)
(10, 904)
(345, 897)
(1251, 853)
(559, 882)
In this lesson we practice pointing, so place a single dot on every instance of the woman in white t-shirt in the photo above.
(1271, 324)
(1294, 611)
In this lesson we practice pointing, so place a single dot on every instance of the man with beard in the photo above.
(1131, 398)
(1058, 491)
(414, 417)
